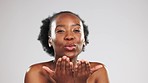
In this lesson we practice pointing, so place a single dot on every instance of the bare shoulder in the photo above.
(35, 73)
(100, 75)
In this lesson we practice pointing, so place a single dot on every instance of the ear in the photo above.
(49, 41)
(84, 44)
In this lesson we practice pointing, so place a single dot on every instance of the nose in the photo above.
(69, 36)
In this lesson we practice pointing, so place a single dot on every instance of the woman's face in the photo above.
(67, 35)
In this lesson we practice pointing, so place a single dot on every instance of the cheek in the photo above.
(57, 41)
(80, 47)
(80, 43)
(81, 39)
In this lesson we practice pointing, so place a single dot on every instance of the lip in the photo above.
(70, 47)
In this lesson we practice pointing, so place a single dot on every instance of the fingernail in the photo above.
(98, 66)
(59, 59)
(67, 59)
(44, 67)
(64, 57)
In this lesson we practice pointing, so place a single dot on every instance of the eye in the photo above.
(60, 31)
(76, 31)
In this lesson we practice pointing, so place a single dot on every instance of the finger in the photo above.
(83, 66)
(50, 74)
(51, 80)
(58, 65)
(96, 68)
(87, 66)
(63, 64)
(79, 71)
(67, 65)
(76, 71)
(71, 65)
(76, 68)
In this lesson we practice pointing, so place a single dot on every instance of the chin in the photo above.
(71, 55)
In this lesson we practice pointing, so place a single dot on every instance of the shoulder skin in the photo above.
(35, 73)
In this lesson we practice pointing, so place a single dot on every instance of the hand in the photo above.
(63, 71)
(83, 70)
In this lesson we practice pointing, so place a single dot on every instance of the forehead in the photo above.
(63, 17)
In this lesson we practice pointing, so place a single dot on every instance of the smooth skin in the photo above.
(67, 39)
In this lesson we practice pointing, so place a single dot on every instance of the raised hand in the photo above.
(83, 70)
(63, 71)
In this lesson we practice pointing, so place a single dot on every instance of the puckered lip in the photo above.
(70, 47)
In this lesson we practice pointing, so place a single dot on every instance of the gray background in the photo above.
(118, 36)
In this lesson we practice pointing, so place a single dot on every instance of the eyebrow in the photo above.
(64, 25)
(59, 26)
(76, 25)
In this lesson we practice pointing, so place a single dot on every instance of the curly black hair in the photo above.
(45, 32)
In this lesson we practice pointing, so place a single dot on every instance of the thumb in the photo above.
(48, 70)
(95, 68)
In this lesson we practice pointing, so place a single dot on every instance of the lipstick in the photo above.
(70, 47)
